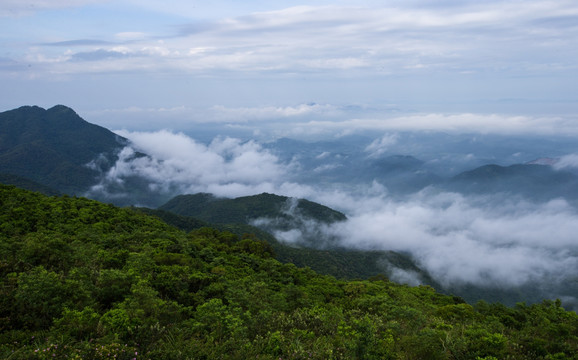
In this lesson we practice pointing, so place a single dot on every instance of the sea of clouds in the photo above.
(485, 240)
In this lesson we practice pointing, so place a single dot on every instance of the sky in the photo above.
(270, 67)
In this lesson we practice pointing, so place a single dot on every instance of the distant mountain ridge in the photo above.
(56, 147)
(533, 181)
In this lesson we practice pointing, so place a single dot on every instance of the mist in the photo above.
(487, 240)
(477, 240)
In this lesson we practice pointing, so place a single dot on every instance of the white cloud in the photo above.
(21, 8)
(245, 114)
(178, 164)
(312, 120)
(375, 39)
(482, 240)
(567, 161)
(381, 145)
(452, 123)
(466, 240)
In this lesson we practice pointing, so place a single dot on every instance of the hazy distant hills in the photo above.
(55, 147)
(352, 164)
(532, 181)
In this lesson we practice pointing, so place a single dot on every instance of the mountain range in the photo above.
(59, 150)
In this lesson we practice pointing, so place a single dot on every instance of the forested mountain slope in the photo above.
(55, 147)
(267, 214)
(24, 183)
(80, 279)
(242, 210)
(338, 262)
(277, 215)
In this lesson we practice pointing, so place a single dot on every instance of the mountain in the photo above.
(350, 160)
(244, 209)
(401, 174)
(56, 147)
(284, 217)
(24, 183)
(533, 181)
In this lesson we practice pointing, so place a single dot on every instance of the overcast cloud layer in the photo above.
(457, 64)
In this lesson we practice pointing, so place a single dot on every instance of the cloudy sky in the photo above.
(413, 64)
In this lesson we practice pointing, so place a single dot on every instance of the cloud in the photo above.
(23, 8)
(294, 228)
(98, 55)
(78, 42)
(451, 123)
(339, 39)
(245, 114)
(381, 145)
(314, 120)
(178, 164)
(569, 161)
(462, 240)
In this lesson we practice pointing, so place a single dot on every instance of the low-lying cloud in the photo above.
(331, 120)
(478, 240)
(566, 162)
(490, 242)
(244, 114)
(450, 123)
(175, 164)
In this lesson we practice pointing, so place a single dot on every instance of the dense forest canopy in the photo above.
(82, 279)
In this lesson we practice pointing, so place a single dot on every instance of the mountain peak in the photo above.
(53, 146)
(61, 109)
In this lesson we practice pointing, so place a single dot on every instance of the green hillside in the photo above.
(337, 262)
(54, 147)
(83, 280)
(243, 209)
(312, 250)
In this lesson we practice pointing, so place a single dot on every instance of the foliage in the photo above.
(84, 280)
(9, 179)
